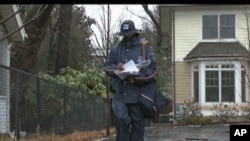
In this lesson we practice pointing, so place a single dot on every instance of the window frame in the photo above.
(201, 74)
(218, 27)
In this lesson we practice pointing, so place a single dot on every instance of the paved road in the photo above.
(163, 132)
(188, 133)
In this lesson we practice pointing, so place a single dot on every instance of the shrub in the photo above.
(246, 112)
(192, 112)
(200, 120)
(223, 112)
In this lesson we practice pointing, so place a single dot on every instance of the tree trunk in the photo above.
(52, 48)
(25, 53)
(63, 40)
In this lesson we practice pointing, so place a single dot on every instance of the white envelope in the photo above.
(129, 69)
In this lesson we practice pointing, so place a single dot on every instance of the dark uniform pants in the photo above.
(129, 121)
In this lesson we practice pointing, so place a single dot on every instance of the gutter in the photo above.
(12, 22)
(19, 22)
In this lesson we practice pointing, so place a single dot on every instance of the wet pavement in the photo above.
(167, 132)
(188, 133)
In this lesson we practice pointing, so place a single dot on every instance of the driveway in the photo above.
(167, 132)
(188, 133)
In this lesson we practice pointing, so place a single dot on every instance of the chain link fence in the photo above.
(32, 104)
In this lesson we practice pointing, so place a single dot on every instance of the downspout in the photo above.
(173, 64)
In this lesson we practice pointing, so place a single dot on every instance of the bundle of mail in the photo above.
(130, 68)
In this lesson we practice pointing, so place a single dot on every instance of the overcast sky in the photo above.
(117, 11)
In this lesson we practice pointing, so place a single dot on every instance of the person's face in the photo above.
(129, 38)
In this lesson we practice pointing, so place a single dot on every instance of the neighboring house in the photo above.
(9, 23)
(210, 46)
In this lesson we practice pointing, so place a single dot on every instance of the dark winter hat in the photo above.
(128, 28)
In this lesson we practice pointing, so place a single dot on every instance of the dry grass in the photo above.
(75, 136)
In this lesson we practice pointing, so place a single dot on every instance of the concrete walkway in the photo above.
(167, 132)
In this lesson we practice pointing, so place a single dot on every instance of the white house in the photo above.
(9, 23)
(210, 46)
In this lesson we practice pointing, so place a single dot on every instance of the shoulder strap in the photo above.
(144, 42)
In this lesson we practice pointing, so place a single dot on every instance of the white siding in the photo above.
(4, 84)
(8, 26)
(4, 116)
(188, 33)
(188, 28)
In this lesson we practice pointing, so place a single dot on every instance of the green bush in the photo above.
(199, 120)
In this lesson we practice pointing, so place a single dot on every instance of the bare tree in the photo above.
(104, 42)
(154, 21)
(106, 38)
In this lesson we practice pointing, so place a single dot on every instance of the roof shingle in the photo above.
(217, 49)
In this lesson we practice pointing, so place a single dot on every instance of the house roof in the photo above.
(217, 49)
(13, 23)
(199, 6)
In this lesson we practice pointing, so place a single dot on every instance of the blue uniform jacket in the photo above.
(126, 90)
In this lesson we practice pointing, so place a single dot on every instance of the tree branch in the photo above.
(12, 15)
(24, 25)
(145, 7)
(16, 30)
(138, 15)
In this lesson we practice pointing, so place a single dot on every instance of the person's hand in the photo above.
(132, 79)
(120, 66)
(142, 70)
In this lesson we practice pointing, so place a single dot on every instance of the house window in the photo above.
(196, 84)
(218, 26)
(243, 84)
(212, 86)
(219, 83)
